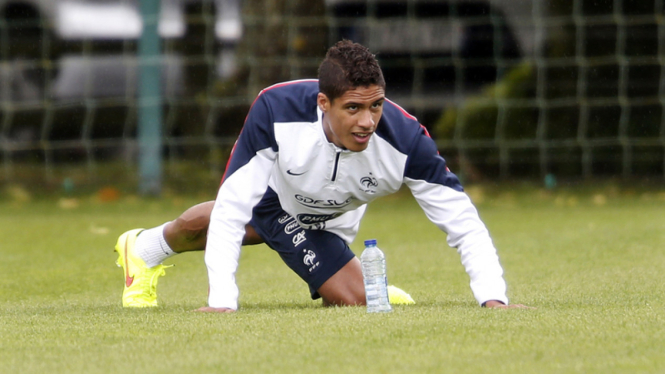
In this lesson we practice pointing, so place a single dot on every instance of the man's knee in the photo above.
(348, 299)
(346, 287)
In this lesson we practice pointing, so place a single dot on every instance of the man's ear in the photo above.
(323, 102)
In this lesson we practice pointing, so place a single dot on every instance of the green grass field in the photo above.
(592, 263)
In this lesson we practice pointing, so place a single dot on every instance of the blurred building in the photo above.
(89, 46)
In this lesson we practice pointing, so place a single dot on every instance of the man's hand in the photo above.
(209, 309)
(494, 304)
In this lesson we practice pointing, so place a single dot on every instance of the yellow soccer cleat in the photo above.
(397, 296)
(140, 280)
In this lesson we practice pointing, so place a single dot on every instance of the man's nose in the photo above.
(366, 121)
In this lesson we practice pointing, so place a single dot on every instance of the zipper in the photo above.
(338, 152)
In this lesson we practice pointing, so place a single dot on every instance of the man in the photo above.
(310, 156)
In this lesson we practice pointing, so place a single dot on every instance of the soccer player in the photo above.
(311, 155)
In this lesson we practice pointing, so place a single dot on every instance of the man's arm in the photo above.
(454, 214)
(441, 197)
(245, 181)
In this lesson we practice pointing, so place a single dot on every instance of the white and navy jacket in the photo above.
(283, 146)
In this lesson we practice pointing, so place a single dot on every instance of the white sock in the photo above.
(151, 246)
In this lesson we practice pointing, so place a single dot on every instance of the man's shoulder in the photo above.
(398, 127)
(292, 101)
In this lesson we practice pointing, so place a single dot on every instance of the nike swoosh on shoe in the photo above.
(128, 280)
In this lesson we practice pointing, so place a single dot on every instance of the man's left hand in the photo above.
(494, 304)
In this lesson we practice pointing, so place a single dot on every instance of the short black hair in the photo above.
(348, 65)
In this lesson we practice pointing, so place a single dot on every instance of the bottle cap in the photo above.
(369, 242)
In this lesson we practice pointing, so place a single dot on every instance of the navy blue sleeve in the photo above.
(425, 163)
(257, 133)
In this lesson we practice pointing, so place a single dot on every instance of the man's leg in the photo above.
(186, 233)
(189, 232)
(141, 252)
(346, 287)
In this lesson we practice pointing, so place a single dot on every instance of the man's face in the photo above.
(351, 119)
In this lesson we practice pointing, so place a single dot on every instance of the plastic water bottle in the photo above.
(374, 274)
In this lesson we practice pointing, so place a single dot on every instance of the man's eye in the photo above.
(352, 107)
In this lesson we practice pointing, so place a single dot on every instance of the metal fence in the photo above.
(508, 88)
